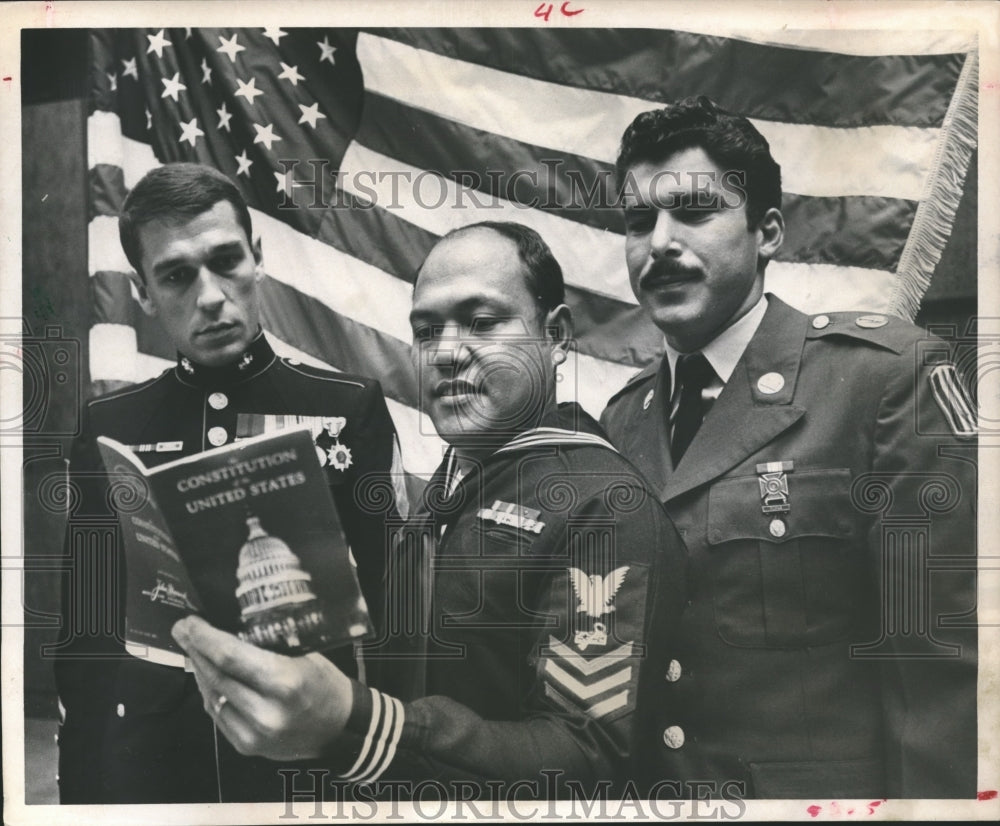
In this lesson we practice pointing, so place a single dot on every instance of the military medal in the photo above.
(339, 455)
(773, 480)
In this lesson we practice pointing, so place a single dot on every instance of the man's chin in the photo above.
(221, 355)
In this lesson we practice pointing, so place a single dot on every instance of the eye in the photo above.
(485, 324)
(639, 218)
(228, 261)
(424, 332)
(178, 276)
(693, 207)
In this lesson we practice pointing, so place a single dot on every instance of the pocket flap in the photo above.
(820, 505)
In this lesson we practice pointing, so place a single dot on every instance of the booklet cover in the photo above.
(247, 536)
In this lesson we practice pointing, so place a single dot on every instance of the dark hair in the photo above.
(176, 192)
(730, 140)
(543, 274)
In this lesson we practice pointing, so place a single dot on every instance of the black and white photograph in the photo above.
(641, 361)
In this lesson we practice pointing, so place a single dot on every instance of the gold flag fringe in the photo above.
(936, 211)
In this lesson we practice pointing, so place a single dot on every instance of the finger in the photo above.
(213, 683)
(245, 662)
(236, 728)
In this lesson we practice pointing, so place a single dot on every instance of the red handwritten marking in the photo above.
(569, 13)
(8, 79)
(988, 795)
(544, 14)
(814, 810)
(874, 805)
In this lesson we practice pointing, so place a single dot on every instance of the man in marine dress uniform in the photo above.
(521, 592)
(822, 473)
(135, 731)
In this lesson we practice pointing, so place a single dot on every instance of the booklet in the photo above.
(247, 536)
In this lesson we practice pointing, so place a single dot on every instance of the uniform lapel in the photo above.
(744, 418)
(647, 442)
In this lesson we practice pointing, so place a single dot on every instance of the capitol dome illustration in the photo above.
(278, 608)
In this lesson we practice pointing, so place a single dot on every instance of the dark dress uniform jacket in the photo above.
(877, 551)
(530, 642)
(135, 731)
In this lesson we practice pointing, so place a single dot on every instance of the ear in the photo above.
(559, 330)
(258, 258)
(770, 233)
(148, 307)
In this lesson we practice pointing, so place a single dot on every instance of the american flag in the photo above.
(357, 149)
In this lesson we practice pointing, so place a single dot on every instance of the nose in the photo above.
(450, 348)
(664, 239)
(211, 296)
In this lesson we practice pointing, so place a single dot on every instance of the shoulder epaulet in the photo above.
(637, 381)
(323, 373)
(882, 330)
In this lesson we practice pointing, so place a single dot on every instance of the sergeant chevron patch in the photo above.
(599, 686)
(953, 399)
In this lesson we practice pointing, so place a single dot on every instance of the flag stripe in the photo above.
(761, 81)
(607, 328)
(852, 230)
(864, 42)
(884, 160)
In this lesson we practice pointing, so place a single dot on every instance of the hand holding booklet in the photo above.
(245, 535)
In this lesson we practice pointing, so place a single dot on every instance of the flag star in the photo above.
(113, 78)
(206, 72)
(265, 135)
(248, 90)
(129, 68)
(190, 131)
(157, 42)
(285, 182)
(224, 118)
(230, 47)
(291, 74)
(327, 49)
(149, 119)
(275, 35)
(310, 114)
(173, 87)
(244, 162)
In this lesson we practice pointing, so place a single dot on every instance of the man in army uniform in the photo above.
(521, 592)
(135, 731)
(822, 473)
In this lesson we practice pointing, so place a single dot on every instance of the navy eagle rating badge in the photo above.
(601, 683)
(595, 595)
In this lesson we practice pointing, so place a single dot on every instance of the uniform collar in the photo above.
(252, 362)
(726, 349)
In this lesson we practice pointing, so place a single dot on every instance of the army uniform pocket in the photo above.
(783, 580)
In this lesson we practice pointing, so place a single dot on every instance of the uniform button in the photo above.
(777, 528)
(821, 321)
(120, 711)
(673, 737)
(673, 671)
(646, 402)
(218, 401)
(871, 322)
(770, 383)
(217, 436)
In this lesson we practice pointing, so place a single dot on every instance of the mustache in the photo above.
(666, 271)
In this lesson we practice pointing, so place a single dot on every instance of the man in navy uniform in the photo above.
(521, 591)
(135, 731)
(822, 473)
